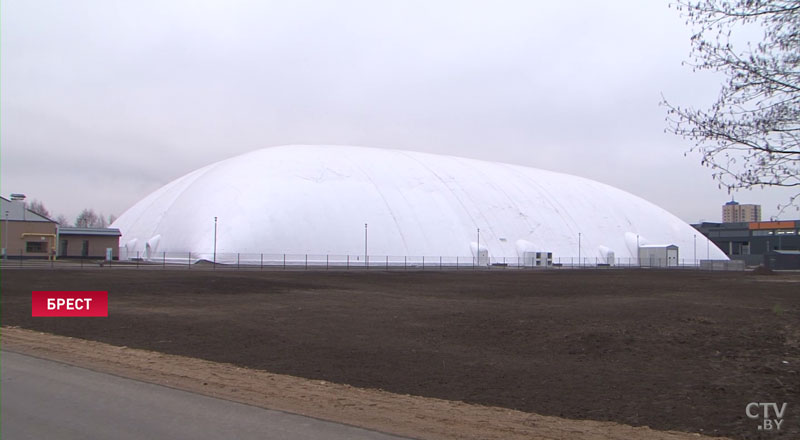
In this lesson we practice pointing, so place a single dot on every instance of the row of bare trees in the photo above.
(88, 218)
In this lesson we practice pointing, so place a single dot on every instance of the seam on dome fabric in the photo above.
(385, 202)
(200, 173)
(557, 207)
(444, 184)
(468, 163)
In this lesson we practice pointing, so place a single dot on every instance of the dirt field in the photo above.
(675, 350)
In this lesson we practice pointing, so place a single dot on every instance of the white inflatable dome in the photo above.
(316, 200)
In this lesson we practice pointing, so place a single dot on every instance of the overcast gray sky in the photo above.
(105, 101)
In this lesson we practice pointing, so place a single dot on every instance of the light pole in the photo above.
(5, 239)
(366, 236)
(478, 253)
(579, 250)
(215, 243)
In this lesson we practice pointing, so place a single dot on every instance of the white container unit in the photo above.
(658, 255)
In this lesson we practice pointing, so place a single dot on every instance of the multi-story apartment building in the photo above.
(734, 212)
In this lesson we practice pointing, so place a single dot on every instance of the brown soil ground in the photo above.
(673, 350)
(401, 414)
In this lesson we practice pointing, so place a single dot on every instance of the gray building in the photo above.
(782, 260)
(751, 241)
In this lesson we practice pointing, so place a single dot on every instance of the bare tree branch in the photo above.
(749, 136)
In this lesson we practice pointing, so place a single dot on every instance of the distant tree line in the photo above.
(88, 218)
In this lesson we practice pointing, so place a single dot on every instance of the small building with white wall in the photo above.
(658, 255)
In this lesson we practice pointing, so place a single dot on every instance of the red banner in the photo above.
(68, 304)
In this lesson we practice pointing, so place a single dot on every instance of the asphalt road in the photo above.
(46, 399)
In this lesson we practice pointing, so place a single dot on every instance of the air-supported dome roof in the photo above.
(302, 199)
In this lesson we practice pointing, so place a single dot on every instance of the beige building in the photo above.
(88, 242)
(25, 234)
(733, 212)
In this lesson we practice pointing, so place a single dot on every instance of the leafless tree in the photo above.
(88, 219)
(749, 137)
(38, 207)
(62, 220)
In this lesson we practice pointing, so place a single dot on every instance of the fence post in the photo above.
(327, 261)
(423, 262)
(137, 259)
(306, 261)
(164, 260)
(190, 261)
(405, 262)
(261, 266)
(237, 261)
(284, 261)
(440, 262)
(387, 263)
(456, 263)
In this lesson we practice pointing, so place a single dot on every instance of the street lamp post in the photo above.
(215, 243)
(5, 239)
(478, 250)
(366, 253)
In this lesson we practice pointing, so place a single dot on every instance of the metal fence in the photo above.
(271, 261)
